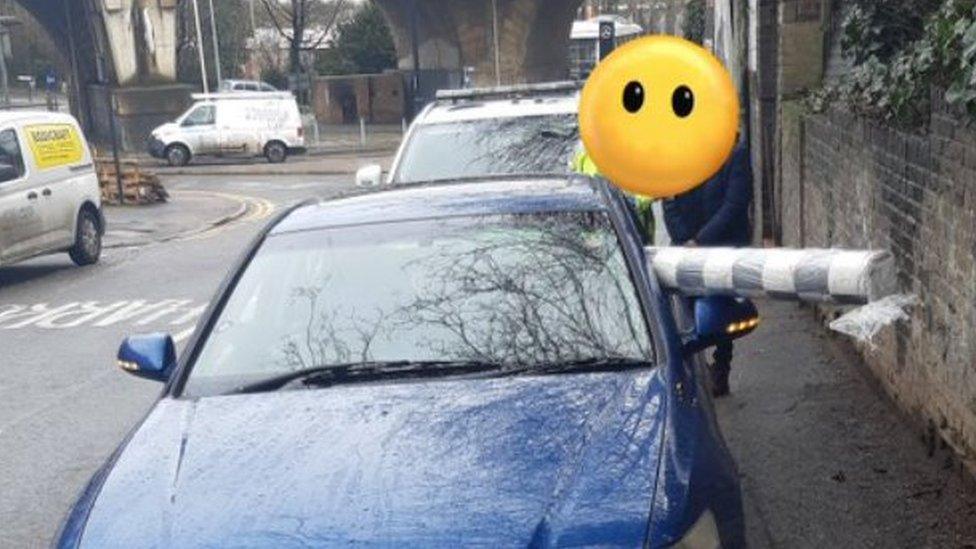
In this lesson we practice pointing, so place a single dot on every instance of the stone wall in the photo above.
(849, 182)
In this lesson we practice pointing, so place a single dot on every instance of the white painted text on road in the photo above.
(174, 313)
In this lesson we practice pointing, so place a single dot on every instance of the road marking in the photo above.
(251, 209)
(255, 209)
(178, 316)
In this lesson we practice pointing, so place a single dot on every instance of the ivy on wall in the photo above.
(899, 50)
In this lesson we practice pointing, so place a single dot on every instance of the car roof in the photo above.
(446, 111)
(35, 117)
(483, 197)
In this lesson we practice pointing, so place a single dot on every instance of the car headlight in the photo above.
(702, 535)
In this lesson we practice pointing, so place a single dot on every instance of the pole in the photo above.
(415, 47)
(113, 102)
(254, 26)
(203, 60)
(494, 35)
(216, 43)
(80, 106)
(4, 79)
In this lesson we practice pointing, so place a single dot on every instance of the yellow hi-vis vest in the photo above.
(583, 164)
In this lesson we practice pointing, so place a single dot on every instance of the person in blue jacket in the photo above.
(716, 214)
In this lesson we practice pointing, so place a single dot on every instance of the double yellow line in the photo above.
(251, 209)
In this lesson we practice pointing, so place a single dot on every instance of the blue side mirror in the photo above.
(721, 318)
(151, 356)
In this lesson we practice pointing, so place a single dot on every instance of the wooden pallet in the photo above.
(139, 186)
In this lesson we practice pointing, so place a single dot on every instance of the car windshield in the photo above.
(513, 292)
(523, 145)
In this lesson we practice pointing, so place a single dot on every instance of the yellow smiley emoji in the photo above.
(659, 116)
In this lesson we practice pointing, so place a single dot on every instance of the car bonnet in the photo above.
(567, 459)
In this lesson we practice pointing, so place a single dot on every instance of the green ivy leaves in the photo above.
(899, 50)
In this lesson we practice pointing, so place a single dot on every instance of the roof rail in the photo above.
(513, 91)
(222, 96)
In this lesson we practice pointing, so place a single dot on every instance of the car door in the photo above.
(200, 129)
(234, 127)
(56, 156)
(22, 229)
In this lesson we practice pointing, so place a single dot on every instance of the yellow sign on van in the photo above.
(54, 145)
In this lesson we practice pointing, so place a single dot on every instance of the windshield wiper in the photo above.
(601, 364)
(365, 371)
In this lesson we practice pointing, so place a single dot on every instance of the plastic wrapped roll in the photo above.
(838, 276)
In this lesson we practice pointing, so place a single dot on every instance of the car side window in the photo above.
(202, 116)
(251, 87)
(11, 159)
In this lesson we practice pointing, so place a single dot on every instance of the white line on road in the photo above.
(174, 315)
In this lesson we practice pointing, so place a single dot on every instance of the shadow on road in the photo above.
(20, 274)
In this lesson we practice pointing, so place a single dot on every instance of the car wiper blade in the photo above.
(595, 364)
(364, 371)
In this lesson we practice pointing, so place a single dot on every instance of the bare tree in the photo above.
(294, 18)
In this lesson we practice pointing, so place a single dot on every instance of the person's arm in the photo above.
(735, 205)
(676, 219)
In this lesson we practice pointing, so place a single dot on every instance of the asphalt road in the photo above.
(64, 406)
(825, 459)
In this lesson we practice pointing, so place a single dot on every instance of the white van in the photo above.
(241, 123)
(49, 195)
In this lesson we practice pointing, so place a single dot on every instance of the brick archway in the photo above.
(533, 37)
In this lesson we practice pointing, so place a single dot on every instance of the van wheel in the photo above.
(177, 155)
(88, 240)
(275, 152)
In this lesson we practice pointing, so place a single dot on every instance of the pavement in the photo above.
(825, 459)
(185, 214)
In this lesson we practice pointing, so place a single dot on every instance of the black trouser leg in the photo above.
(721, 366)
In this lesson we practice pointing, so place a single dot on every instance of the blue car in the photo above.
(477, 364)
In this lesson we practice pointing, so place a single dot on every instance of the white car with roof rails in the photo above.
(522, 130)
(50, 199)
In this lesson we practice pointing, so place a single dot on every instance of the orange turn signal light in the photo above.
(737, 327)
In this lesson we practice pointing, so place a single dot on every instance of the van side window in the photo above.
(201, 116)
(11, 161)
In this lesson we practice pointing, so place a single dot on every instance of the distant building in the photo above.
(584, 45)
(269, 50)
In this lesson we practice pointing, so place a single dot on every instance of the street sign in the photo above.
(608, 38)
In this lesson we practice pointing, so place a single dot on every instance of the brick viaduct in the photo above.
(123, 52)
